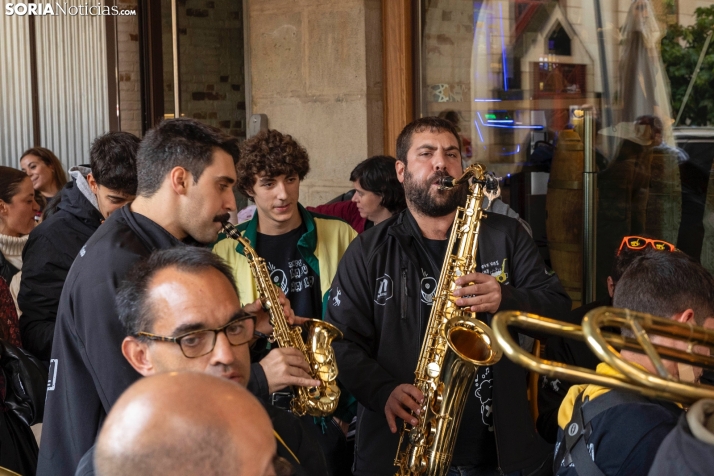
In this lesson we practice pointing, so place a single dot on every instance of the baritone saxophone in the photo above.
(456, 343)
(315, 401)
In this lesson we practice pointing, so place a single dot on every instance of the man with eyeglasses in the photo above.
(181, 312)
(185, 173)
(157, 427)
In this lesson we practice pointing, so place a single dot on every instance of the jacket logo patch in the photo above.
(336, 299)
(428, 288)
(384, 291)
(497, 270)
(52, 374)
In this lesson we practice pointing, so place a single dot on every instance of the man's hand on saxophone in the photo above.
(286, 366)
(283, 367)
(262, 322)
(404, 399)
(482, 290)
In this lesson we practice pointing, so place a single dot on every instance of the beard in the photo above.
(433, 202)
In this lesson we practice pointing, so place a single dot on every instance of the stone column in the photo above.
(316, 69)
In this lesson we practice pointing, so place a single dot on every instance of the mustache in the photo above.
(437, 177)
(222, 218)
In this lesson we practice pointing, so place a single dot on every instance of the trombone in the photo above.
(606, 345)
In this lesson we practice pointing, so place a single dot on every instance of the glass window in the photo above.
(516, 78)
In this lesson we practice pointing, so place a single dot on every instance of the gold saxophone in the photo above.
(316, 401)
(455, 344)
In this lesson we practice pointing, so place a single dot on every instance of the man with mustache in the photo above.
(185, 173)
(181, 312)
(386, 282)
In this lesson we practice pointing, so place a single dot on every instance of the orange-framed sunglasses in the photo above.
(639, 243)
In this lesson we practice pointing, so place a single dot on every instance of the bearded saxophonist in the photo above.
(381, 300)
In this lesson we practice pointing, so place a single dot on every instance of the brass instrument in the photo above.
(605, 345)
(455, 343)
(316, 401)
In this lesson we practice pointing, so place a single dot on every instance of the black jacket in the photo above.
(88, 372)
(568, 351)
(624, 438)
(375, 302)
(300, 447)
(46, 259)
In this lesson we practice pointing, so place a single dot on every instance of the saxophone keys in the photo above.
(313, 393)
(433, 369)
(332, 393)
(327, 372)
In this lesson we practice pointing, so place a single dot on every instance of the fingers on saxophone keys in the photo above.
(305, 382)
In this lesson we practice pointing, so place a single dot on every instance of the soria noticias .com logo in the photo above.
(57, 8)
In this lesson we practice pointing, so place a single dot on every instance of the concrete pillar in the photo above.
(316, 71)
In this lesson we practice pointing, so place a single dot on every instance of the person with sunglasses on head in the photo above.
(622, 430)
(551, 392)
(181, 312)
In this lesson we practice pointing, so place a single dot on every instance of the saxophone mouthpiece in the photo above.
(229, 230)
(446, 183)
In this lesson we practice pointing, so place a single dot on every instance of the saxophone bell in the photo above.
(320, 401)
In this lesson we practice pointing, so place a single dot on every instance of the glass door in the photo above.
(519, 77)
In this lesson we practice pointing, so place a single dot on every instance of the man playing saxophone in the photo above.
(301, 250)
(381, 300)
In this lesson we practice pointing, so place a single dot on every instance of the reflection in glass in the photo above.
(515, 77)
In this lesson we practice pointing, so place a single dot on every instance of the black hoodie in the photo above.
(87, 369)
(46, 259)
(380, 300)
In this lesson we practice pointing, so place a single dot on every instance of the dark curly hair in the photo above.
(273, 154)
(379, 176)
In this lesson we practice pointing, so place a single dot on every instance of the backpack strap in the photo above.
(578, 430)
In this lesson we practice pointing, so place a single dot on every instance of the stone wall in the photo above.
(316, 68)
(128, 67)
(211, 63)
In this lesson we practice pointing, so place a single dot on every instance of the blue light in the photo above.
(503, 50)
(537, 128)
(478, 129)
(487, 100)
(503, 121)
(518, 149)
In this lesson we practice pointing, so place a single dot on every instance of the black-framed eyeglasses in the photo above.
(198, 343)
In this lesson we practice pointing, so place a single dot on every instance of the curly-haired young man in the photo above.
(301, 249)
